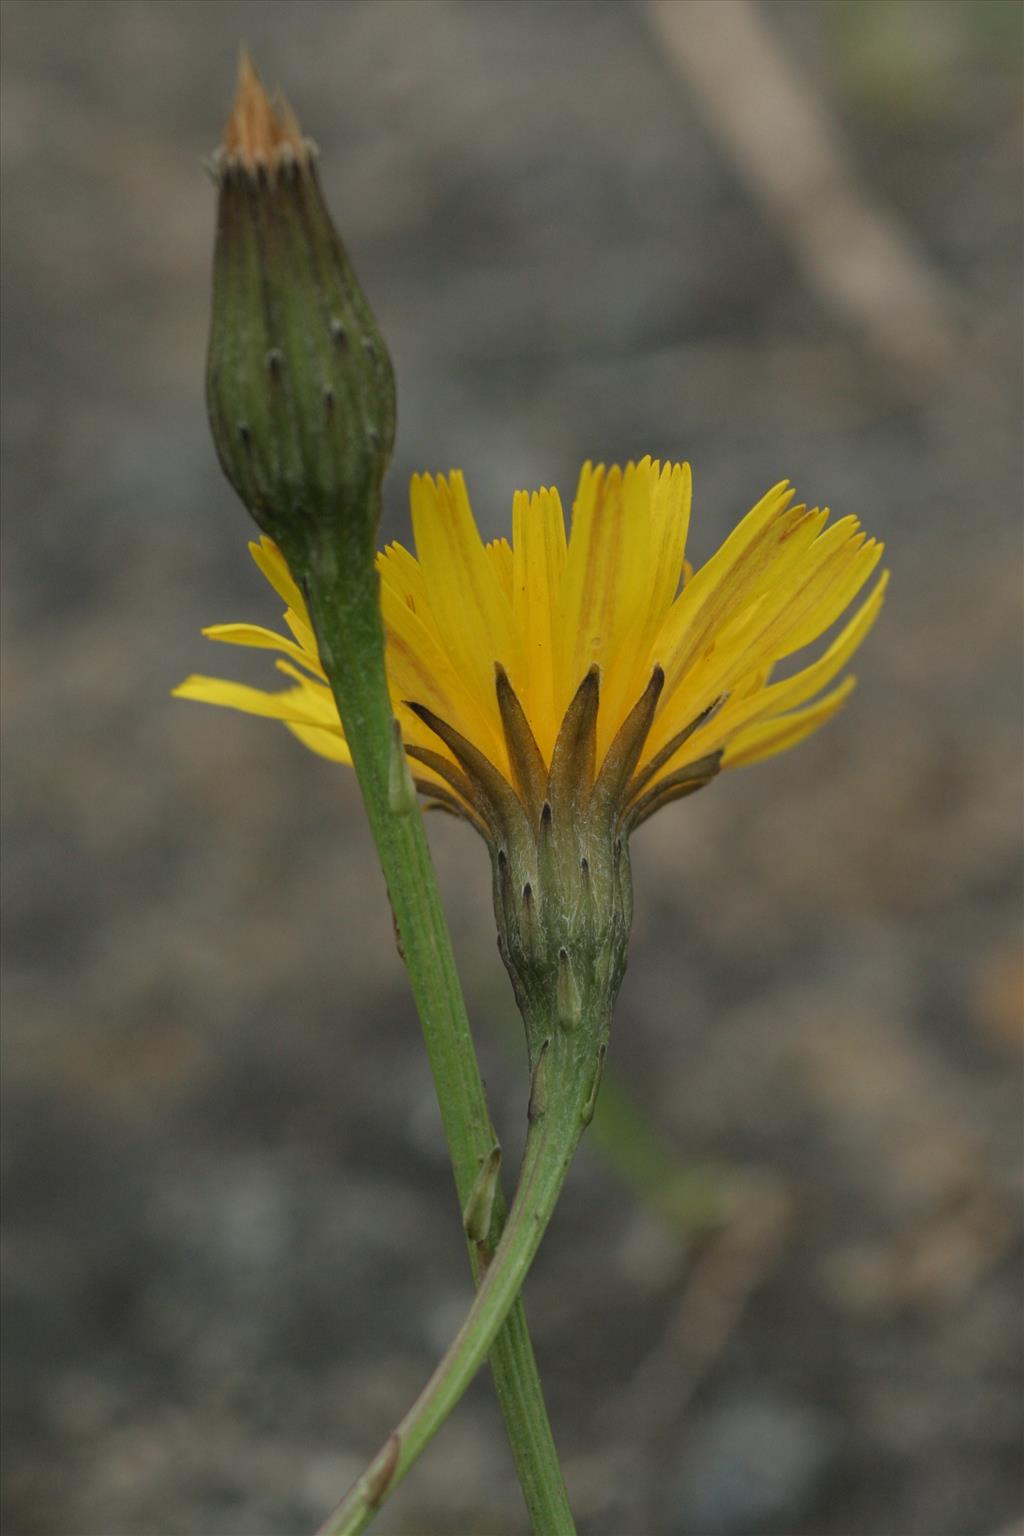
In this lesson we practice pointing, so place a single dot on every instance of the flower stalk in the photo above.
(301, 402)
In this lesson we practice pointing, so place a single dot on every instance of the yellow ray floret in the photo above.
(617, 595)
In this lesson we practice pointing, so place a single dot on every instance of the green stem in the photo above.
(345, 609)
(550, 1145)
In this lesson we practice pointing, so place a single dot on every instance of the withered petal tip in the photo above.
(260, 132)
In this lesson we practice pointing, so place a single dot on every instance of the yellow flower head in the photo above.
(596, 666)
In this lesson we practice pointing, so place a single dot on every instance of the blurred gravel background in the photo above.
(232, 1252)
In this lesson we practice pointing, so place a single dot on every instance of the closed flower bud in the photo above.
(300, 388)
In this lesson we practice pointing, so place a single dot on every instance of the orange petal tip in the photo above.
(260, 131)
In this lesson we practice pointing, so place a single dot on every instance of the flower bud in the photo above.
(299, 383)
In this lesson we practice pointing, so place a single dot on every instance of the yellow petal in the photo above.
(790, 564)
(605, 589)
(274, 567)
(300, 705)
(538, 564)
(470, 608)
(670, 523)
(420, 668)
(803, 685)
(822, 607)
(499, 553)
(753, 701)
(265, 639)
(401, 571)
(772, 736)
(707, 629)
(715, 592)
(304, 636)
(325, 743)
